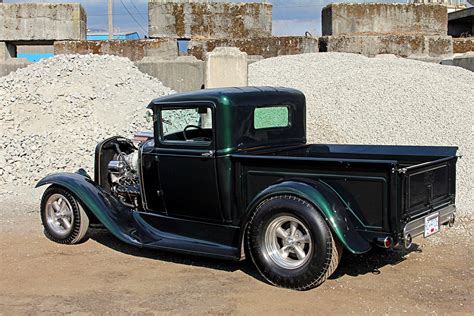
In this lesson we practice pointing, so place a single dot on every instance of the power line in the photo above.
(129, 13)
(138, 12)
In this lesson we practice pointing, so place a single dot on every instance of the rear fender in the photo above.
(326, 201)
(111, 213)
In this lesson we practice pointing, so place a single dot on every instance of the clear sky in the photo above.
(290, 17)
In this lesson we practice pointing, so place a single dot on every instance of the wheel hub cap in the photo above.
(288, 242)
(59, 215)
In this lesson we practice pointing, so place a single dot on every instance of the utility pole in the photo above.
(110, 16)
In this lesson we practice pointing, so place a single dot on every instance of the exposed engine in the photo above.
(123, 177)
(117, 170)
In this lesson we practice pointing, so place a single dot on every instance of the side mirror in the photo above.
(149, 115)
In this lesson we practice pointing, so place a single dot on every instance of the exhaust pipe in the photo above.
(452, 219)
(407, 241)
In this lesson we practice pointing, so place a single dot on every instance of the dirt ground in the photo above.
(105, 276)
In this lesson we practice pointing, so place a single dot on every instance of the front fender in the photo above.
(327, 202)
(111, 213)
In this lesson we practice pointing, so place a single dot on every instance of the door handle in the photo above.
(209, 153)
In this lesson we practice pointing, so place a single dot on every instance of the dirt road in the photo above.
(104, 275)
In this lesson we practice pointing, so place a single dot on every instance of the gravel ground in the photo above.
(53, 113)
(105, 276)
(359, 100)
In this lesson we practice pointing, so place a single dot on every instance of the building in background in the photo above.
(103, 36)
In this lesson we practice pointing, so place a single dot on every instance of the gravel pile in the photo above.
(359, 100)
(53, 113)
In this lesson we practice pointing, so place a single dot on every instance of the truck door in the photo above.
(187, 163)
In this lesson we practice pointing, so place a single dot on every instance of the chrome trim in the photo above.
(140, 176)
(417, 226)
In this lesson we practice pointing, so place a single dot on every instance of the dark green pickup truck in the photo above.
(227, 172)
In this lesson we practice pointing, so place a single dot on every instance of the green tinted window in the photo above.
(270, 117)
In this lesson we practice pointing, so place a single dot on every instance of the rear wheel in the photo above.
(291, 244)
(64, 220)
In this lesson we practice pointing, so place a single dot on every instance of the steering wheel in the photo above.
(188, 127)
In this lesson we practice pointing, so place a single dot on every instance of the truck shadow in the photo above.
(352, 265)
(372, 262)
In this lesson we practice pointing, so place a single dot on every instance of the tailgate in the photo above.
(427, 186)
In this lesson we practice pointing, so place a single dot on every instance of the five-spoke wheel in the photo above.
(64, 219)
(290, 243)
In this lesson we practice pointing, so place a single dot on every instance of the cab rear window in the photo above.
(271, 117)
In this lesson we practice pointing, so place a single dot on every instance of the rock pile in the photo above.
(53, 113)
(389, 100)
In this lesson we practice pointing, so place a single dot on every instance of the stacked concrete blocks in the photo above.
(42, 22)
(407, 30)
(208, 19)
(27, 26)
(163, 48)
(263, 46)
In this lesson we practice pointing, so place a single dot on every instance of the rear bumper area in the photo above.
(417, 226)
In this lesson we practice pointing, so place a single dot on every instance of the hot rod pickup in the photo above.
(228, 173)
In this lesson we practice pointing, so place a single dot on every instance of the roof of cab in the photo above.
(236, 95)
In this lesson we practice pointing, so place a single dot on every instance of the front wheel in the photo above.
(64, 220)
(291, 244)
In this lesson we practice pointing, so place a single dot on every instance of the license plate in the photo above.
(431, 224)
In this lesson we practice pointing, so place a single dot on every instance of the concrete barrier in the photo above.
(41, 21)
(263, 46)
(135, 50)
(404, 45)
(465, 61)
(226, 67)
(12, 65)
(209, 19)
(346, 18)
(185, 73)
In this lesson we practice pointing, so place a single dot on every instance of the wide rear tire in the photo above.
(64, 219)
(291, 244)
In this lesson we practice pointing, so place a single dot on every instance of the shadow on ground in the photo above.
(352, 265)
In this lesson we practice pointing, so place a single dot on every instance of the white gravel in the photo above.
(360, 100)
(53, 113)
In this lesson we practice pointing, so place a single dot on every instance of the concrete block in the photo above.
(465, 61)
(264, 46)
(12, 65)
(42, 21)
(182, 74)
(226, 67)
(347, 18)
(209, 19)
(135, 50)
(403, 45)
(463, 45)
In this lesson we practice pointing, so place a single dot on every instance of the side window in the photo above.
(190, 125)
(271, 117)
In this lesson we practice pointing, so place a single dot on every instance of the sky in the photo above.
(290, 17)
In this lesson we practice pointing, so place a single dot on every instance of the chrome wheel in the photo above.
(59, 215)
(288, 242)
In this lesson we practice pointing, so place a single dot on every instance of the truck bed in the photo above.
(383, 186)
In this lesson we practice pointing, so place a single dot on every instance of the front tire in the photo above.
(64, 220)
(291, 244)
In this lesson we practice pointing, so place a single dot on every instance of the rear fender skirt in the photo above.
(111, 213)
(326, 201)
